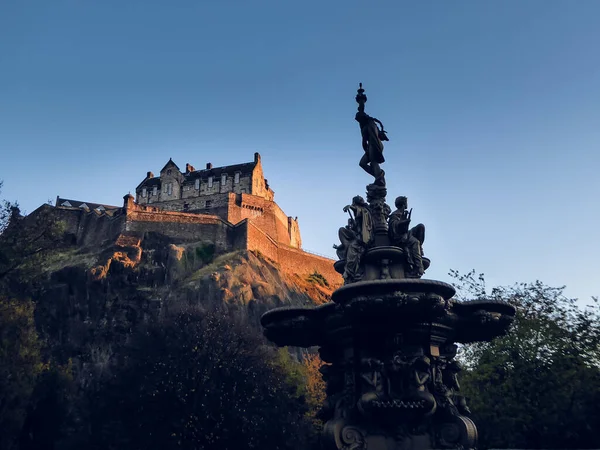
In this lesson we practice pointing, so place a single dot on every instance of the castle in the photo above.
(231, 207)
(233, 193)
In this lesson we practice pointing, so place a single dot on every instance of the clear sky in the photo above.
(492, 109)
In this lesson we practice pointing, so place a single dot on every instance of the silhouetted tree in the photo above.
(196, 380)
(23, 238)
(20, 366)
(48, 410)
(539, 386)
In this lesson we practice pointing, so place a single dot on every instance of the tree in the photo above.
(48, 408)
(315, 387)
(23, 238)
(20, 366)
(5, 211)
(197, 380)
(538, 386)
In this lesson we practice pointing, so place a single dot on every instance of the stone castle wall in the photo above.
(172, 184)
(289, 259)
(257, 240)
(236, 207)
(182, 226)
(88, 228)
(95, 230)
(218, 205)
(268, 216)
(244, 185)
(85, 228)
(248, 234)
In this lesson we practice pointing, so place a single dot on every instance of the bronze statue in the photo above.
(411, 240)
(346, 235)
(354, 238)
(372, 140)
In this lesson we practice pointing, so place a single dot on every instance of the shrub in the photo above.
(316, 277)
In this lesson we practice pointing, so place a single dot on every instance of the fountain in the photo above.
(389, 337)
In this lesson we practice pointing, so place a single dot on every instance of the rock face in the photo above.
(88, 300)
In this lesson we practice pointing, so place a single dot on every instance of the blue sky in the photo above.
(492, 109)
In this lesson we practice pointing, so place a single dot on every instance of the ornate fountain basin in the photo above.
(395, 306)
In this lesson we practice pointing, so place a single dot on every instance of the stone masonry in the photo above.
(234, 193)
(231, 207)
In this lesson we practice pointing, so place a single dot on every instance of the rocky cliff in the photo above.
(88, 300)
(87, 328)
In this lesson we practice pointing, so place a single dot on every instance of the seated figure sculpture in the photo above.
(354, 238)
(410, 240)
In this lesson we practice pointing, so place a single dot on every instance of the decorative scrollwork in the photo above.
(353, 439)
(460, 433)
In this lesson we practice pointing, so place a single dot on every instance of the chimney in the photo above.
(208, 166)
(256, 157)
(149, 175)
(189, 168)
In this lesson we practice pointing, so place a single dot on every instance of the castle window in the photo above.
(170, 188)
(154, 190)
(208, 203)
(144, 192)
(236, 178)
(210, 182)
(197, 185)
(223, 179)
(169, 172)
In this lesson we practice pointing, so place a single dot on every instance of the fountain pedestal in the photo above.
(389, 345)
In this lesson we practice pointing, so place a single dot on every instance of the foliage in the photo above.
(5, 211)
(318, 278)
(315, 387)
(205, 253)
(198, 381)
(304, 375)
(24, 238)
(49, 408)
(20, 366)
(295, 373)
(539, 386)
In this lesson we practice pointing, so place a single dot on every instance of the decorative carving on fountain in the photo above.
(410, 240)
(355, 238)
(388, 337)
(380, 211)
(388, 232)
(412, 393)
